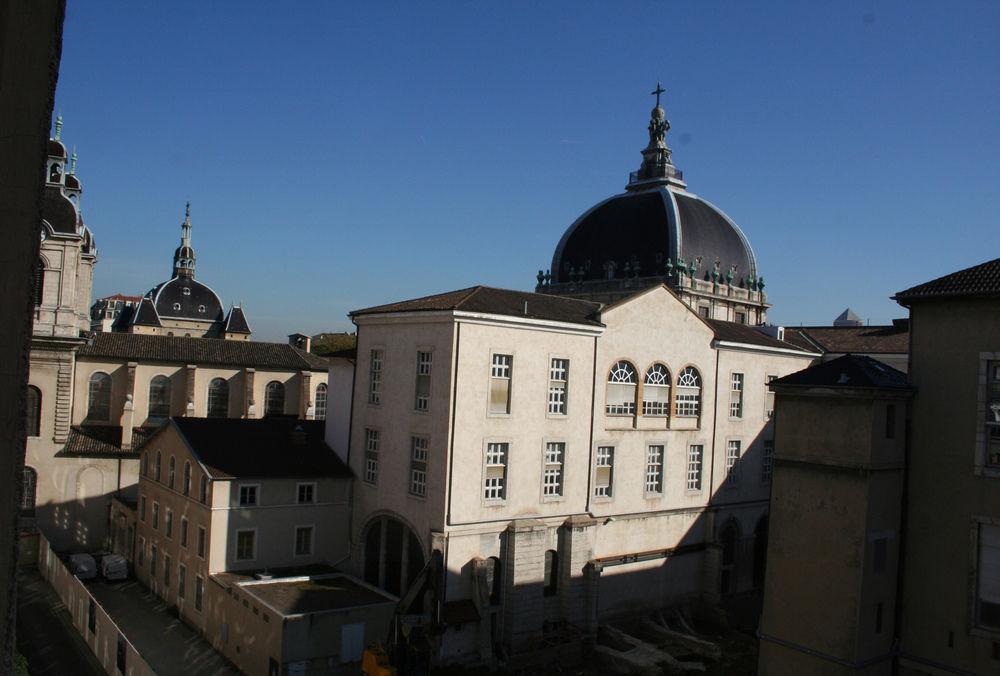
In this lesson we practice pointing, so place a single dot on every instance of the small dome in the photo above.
(651, 227)
(184, 252)
(186, 298)
(59, 211)
(57, 149)
(659, 114)
(72, 182)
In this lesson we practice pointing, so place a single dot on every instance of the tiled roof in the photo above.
(979, 280)
(851, 370)
(735, 332)
(272, 447)
(145, 314)
(865, 339)
(489, 300)
(236, 321)
(201, 351)
(104, 440)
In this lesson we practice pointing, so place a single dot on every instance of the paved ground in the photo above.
(163, 640)
(45, 632)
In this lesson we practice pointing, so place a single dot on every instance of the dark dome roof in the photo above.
(57, 149)
(58, 211)
(183, 252)
(170, 300)
(652, 227)
(72, 182)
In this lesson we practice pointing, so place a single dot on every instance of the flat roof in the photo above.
(299, 596)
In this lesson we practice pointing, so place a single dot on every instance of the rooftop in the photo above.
(735, 332)
(489, 300)
(893, 339)
(201, 351)
(273, 447)
(102, 441)
(848, 371)
(297, 596)
(979, 280)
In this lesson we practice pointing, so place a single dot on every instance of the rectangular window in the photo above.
(166, 571)
(552, 474)
(732, 458)
(695, 455)
(371, 456)
(767, 460)
(736, 396)
(500, 376)
(558, 382)
(304, 541)
(422, 401)
(201, 542)
(141, 554)
(654, 470)
(152, 562)
(248, 495)
(168, 523)
(741, 317)
(156, 515)
(418, 466)
(203, 495)
(768, 397)
(184, 532)
(199, 591)
(495, 479)
(181, 581)
(142, 508)
(604, 471)
(307, 494)
(246, 541)
(993, 414)
(703, 311)
(375, 377)
(988, 577)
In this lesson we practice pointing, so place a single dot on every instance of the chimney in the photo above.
(301, 341)
(777, 332)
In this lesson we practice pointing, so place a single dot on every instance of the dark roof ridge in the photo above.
(976, 280)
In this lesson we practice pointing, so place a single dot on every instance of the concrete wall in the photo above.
(338, 405)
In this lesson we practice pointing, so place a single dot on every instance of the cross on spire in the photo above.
(659, 90)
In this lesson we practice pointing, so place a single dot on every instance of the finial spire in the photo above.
(184, 256)
(58, 126)
(657, 163)
(659, 90)
(72, 162)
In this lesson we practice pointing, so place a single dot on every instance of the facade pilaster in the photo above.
(524, 582)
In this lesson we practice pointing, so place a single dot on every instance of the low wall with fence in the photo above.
(107, 642)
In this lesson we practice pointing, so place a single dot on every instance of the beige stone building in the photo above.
(886, 554)
(568, 461)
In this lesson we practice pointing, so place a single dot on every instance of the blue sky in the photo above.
(340, 155)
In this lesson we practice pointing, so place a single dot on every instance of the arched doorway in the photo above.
(393, 554)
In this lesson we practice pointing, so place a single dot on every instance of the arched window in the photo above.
(274, 398)
(218, 398)
(321, 401)
(34, 417)
(144, 468)
(99, 397)
(689, 393)
(156, 467)
(29, 483)
(203, 491)
(171, 467)
(656, 391)
(760, 552)
(729, 539)
(39, 283)
(551, 572)
(55, 173)
(494, 580)
(621, 389)
(186, 479)
(393, 555)
(159, 399)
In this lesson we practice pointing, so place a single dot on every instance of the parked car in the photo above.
(83, 566)
(114, 567)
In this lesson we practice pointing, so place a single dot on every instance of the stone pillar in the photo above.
(128, 410)
(306, 410)
(248, 403)
(592, 584)
(190, 371)
(524, 582)
(576, 549)
(712, 562)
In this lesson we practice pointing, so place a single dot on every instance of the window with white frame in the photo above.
(768, 397)
(159, 399)
(306, 494)
(274, 398)
(422, 399)
(993, 414)
(604, 471)
(375, 376)
(246, 545)
(987, 611)
(500, 379)
(621, 389)
(696, 453)
(321, 398)
(218, 398)
(418, 466)
(558, 385)
(732, 461)
(248, 495)
(689, 393)
(303, 540)
(654, 469)
(495, 473)
(736, 396)
(767, 460)
(656, 391)
(371, 455)
(552, 473)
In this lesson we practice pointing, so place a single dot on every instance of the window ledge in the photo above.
(602, 499)
(557, 416)
(422, 498)
(983, 632)
(987, 471)
(553, 498)
(494, 503)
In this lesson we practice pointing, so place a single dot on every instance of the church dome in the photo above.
(649, 228)
(186, 298)
(57, 149)
(72, 182)
(59, 212)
